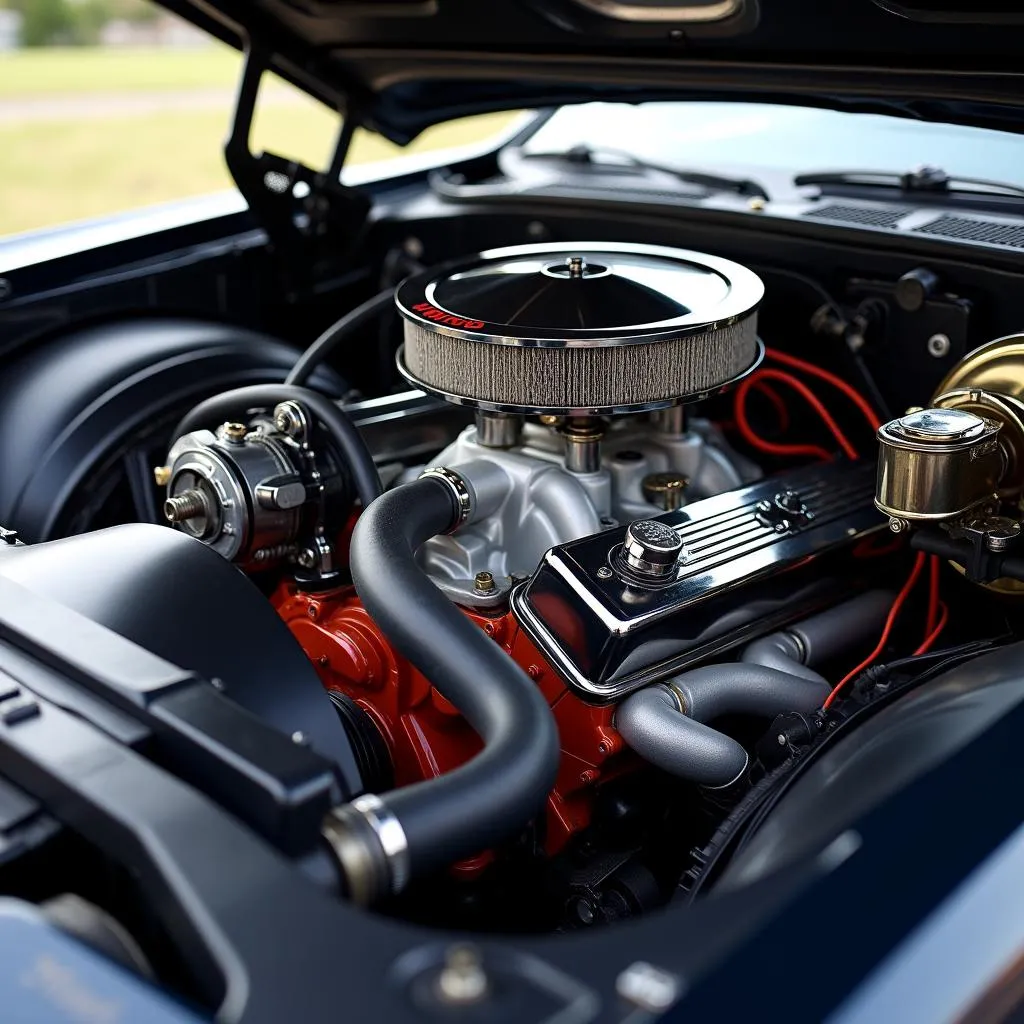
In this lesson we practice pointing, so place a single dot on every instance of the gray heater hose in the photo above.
(665, 723)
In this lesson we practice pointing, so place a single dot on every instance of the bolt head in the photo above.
(939, 346)
(604, 573)
(463, 979)
(483, 582)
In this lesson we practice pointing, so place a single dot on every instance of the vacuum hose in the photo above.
(665, 723)
(382, 841)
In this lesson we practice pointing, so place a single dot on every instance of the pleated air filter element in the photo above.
(580, 328)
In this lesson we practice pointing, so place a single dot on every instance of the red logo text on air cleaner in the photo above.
(433, 313)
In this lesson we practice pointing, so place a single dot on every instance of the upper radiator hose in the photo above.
(381, 841)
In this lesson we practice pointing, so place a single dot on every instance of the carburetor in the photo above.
(259, 493)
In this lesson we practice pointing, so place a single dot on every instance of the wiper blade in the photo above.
(930, 180)
(591, 157)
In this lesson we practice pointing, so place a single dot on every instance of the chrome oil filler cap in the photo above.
(651, 547)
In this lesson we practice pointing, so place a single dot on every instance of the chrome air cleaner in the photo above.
(580, 328)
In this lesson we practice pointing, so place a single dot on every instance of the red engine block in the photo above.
(425, 734)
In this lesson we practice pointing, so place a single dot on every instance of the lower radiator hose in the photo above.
(382, 841)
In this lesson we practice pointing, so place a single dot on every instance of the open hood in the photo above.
(399, 66)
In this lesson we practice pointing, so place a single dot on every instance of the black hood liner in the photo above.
(399, 68)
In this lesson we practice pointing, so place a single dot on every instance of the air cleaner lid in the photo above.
(581, 327)
(580, 294)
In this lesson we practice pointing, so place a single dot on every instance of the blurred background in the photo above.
(111, 105)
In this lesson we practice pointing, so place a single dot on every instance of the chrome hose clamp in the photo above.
(370, 847)
(389, 831)
(460, 490)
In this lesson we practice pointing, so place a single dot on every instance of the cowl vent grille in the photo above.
(869, 216)
(969, 229)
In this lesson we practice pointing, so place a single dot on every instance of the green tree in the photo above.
(45, 21)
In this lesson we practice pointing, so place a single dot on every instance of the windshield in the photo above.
(754, 138)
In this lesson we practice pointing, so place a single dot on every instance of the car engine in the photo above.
(542, 669)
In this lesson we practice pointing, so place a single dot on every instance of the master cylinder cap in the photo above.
(936, 464)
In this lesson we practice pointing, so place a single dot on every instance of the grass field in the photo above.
(88, 132)
(77, 70)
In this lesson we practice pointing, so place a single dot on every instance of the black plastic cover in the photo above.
(173, 596)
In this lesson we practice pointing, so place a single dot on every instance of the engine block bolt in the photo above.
(187, 505)
(161, 475)
(462, 979)
(483, 582)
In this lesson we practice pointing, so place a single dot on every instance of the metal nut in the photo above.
(463, 979)
(290, 419)
(483, 582)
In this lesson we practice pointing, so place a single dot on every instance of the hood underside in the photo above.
(400, 66)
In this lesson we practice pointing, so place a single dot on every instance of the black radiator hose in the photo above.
(381, 841)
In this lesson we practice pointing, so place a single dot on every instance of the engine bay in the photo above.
(548, 670)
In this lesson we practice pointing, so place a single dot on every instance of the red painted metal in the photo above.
(424, 732)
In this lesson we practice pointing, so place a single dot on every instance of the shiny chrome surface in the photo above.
(936, 464)
(693, 290)
(741, 577)
(498, 430)
(583, 445)
(461, 494)
(684, 13)
(651, 547)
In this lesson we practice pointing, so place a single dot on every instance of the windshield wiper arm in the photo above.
(931, 180)
(590, 156)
